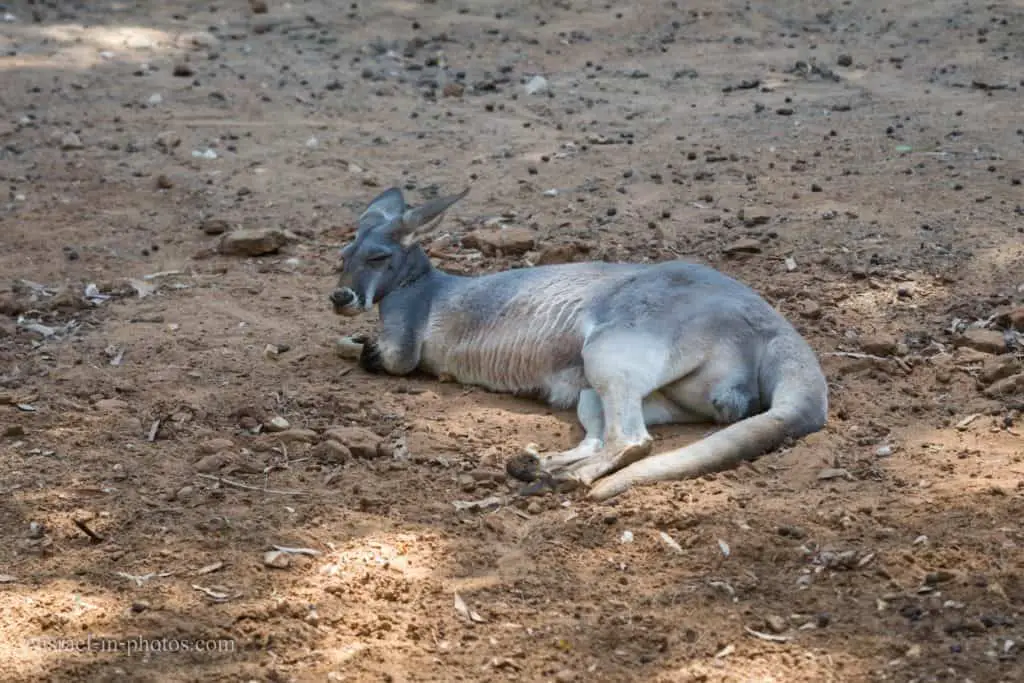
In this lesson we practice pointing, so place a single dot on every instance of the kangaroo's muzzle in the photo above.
(345, 302)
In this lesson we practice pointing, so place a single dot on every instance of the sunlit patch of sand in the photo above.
(73, 46)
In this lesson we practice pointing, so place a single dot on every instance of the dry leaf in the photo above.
(833, 473)
(7, 578)
(962, 424)
(995, 588)
(503, 663)
(670, 542)
(162, 273)
(141, 287)
(725, 651)
(218, 593)
(297, 551)
(143, 578)
(465, 612)
(209, 569)
(493, 501)
(771, 637)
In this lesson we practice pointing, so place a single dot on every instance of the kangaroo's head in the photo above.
(385, 254)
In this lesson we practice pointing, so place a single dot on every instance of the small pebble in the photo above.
(776, 624)
(70, 141)
(276, 424)
(537, 85)
(276, 559)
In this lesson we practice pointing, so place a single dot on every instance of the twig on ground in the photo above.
(153, 429)
(249, 487)
(297, 551)
(772, 638)
(93, 536)
(858, 356)
(143, 578)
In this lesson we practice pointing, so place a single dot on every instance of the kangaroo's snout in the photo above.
(344, 301)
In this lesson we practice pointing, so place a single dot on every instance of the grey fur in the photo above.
(630, 345)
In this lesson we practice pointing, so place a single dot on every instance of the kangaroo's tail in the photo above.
(797, 392)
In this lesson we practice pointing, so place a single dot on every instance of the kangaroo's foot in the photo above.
(581, 466)
(556, 462)
(526, 467)
(607, 460)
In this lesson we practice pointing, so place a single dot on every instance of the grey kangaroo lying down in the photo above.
(630, 345)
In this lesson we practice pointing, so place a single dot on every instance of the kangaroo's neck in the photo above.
(421, 270)
(421, 284)
(417, 266)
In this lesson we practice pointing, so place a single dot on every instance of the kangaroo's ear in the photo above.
(419, 220)
(386, 207)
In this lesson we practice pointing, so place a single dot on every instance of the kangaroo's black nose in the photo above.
(342, 297)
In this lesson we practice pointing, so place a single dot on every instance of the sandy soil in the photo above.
(859, 163)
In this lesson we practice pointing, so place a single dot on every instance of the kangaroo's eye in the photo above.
(378, 258)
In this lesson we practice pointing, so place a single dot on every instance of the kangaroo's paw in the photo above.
(370, 358)
(348, 348)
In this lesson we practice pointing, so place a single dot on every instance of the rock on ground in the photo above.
(254, 242)
(508, 241)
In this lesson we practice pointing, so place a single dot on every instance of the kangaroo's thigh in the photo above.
(724, 389)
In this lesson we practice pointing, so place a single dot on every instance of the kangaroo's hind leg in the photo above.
(658, 409)
(589, 413)
(624, 368)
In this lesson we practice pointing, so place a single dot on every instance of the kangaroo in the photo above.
(629, 345)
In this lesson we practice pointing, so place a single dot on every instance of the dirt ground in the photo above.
(859, 163)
